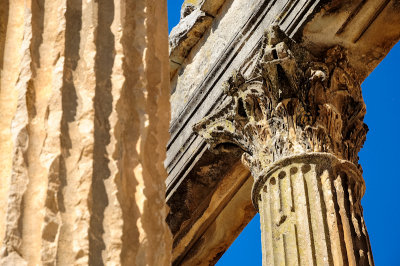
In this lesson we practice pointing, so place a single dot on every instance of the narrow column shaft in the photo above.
(311, 213)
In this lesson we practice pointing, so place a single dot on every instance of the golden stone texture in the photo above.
(84, 112)
(311, 214)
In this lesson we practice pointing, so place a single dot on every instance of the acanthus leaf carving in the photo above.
(289, 102)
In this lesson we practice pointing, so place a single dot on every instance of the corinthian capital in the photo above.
(285, 101)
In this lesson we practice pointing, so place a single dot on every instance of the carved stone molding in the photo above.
(285, 101)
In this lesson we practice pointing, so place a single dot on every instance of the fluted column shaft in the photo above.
(84, 117)
(311, 213)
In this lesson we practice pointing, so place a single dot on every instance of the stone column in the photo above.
(311, 213)
(298, 118)
(84, 117)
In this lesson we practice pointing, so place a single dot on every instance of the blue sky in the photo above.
(379, 159)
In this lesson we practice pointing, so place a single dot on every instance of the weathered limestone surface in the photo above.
(207, 51)
(196, 18)
(299, 121)
(84, 115)
(284, 101)
(365, 31)
(214, 216)
(311, 214)
(210, 241)
(187, 33)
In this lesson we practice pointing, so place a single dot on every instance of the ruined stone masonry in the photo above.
(84, 117)
(106, 130)
(272, 121)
